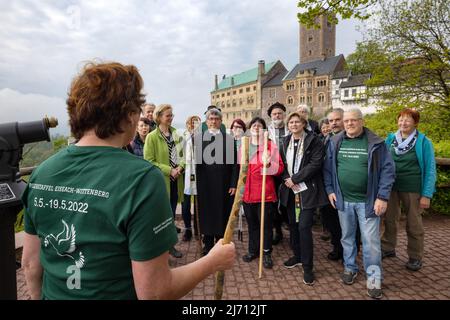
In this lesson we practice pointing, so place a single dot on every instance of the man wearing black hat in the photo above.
(277, 132)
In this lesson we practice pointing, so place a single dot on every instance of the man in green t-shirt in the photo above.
(358, 176)
(98, 223)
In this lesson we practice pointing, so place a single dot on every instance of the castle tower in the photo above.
(317, 44)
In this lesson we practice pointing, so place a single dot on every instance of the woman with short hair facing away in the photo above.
(302, 191)
(98, 225)
(415, 170)
(142, 130)
(164, 148)
(253, 191)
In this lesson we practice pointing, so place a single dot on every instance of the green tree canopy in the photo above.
(333, 9)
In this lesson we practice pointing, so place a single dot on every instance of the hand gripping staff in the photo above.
(220, 275)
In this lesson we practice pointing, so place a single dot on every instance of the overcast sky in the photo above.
(178, 46)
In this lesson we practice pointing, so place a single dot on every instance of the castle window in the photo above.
(272, 93)
(321, 97)
(346, 93)
(336, 92)
(254, 88)
(336, 82)
(290, 100)
(310, 52)
(247, 89)
(241, 90)
(228, 93)
(223, 95)
(290, 86)
(353, 92)
(234, 92)
(234, 103)
(309, 100)
(310, 38)
(302, 99)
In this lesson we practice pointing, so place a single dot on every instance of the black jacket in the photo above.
(310, 172)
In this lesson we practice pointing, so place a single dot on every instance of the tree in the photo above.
(415, 34)
(345, 9)
(368, 57)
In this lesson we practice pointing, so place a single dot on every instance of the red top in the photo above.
(253, 185)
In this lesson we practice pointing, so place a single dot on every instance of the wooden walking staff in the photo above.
(220, 275)
(197, 226)
(263, 203)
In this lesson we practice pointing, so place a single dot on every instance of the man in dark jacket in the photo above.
(217, 174)
(358, 175)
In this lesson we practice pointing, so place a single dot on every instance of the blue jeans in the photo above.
(354, 213)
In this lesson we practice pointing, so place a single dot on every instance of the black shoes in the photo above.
(388, 254)
(308, 278)
(178, 229)
(334, 256)
(249, 257)
(267, 261)
(277, 238)
(413, 264)
(292, 262)
(187, 236)
(175, 253)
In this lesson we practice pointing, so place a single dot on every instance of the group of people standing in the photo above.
(118, 239)
(336, 167)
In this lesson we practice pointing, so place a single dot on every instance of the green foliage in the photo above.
(18, 226)
(368, 57)
(442, 149)
(441, 198)
(415, 35)
(36, 153)
(312, 9)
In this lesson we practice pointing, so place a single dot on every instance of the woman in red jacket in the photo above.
(253, 189)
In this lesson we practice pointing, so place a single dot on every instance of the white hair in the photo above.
(356, 111)
(214, 112)
(304, 107)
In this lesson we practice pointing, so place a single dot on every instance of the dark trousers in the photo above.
(330, 219)
(252, 213)
(186, 212)
(208, 240)
(301, 233)
(173, 197)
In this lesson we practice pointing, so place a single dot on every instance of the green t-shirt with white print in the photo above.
(95, 209)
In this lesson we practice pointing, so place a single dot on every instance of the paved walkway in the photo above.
(279, 283)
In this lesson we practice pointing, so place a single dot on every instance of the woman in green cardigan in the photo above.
(415, 169)
(164, 148)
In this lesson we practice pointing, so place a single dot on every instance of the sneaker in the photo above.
(375, 293)
(413, 264)
(334, 256)
(292, 262)
(187, 236)
(249, 257)
(348, 277)
(175, 253)
(277, 238)
(308, 278)
(267, 261)
(388, 254)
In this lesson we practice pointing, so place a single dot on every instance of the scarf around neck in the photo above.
(403, 146)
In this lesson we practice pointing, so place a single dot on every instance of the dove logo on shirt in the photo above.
(64, 244)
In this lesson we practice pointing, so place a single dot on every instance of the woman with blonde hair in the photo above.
(164, 148)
